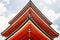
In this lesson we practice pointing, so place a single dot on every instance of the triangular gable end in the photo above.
(29, 18)
(35, 34)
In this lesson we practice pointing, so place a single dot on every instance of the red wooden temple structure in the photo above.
(30, 24)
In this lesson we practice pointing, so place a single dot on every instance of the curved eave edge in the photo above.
(30, 4)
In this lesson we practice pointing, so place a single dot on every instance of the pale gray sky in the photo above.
(50, 8)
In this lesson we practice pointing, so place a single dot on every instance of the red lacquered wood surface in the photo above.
(38, 20)
(23, 33)
(43, 25)
(15, 25)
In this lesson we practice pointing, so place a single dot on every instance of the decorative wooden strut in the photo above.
(29, 31)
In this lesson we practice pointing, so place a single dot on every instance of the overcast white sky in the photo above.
(50, 8)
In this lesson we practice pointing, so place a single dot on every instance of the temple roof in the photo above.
(30, 4)
(36, 18)
(30, 11)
